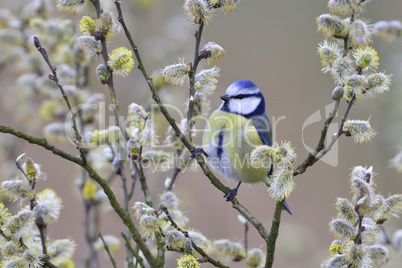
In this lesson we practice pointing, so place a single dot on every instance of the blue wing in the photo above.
(263, 127)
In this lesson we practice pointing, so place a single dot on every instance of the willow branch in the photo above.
(176, 170)
(141, 175)
(42, 232)
(138, 258)
(42, 142)
(107, 250)
(91, 257)
(191, 77)
(320, 149)
(321, 143)
(340, 130)
(143, 182)
(109, 82)
(160, 254)
(54, 77)
(121, 212)
(273, 235)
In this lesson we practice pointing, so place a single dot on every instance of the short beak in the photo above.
(225, 97)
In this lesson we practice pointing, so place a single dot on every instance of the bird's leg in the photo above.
(198, 151)
(232, 193)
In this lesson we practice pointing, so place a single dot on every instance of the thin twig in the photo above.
(107, 250)
(138, 258)
(134, 180)
(320, 151)
(340, 130)
(53, 76)
(191, 77)
(141, 175)
(176, 172)
(311, 157)
(143, 182)
(122, 174)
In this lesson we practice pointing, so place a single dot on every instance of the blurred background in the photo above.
(273, 43)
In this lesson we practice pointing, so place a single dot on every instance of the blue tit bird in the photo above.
(236, 128)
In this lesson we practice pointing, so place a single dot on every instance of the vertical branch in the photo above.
(42, 232)
(160, 255)
(143, 182)
(112, 92)
(134, 180)
(273, 234)
(246, 236)
(120, 171)
(110, 84)
(91, 225)
(191, 77)
(91, 259)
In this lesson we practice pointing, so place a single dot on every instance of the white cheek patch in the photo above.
(244, 106)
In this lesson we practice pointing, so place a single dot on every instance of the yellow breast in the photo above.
(229, 139)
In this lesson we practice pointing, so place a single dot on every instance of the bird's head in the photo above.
(244, 98)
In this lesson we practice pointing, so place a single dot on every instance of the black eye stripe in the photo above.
(242, 96)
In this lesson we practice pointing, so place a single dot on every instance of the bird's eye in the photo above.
(241, 96)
